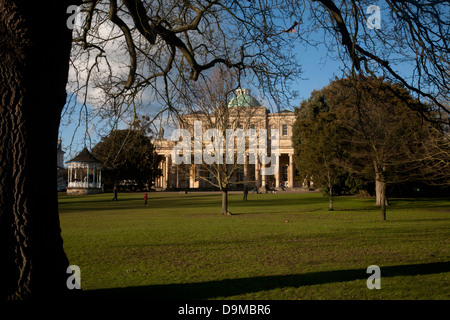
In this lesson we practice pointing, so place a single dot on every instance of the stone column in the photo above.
(167, 177)
(277, 173)
(161, 177)
(263, 176)
(191, 176)
(157, 179)
(257, 174)
(245, 169)
(291, 170)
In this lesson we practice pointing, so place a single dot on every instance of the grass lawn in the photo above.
(180, 247)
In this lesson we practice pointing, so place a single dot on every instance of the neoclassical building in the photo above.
(250, 114)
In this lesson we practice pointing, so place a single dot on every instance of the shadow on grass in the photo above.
(232, 287)
(423, 203)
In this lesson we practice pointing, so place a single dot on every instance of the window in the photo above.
(284, 130)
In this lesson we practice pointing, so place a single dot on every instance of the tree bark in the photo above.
(383, 202)
(380, 190)
(35, 48)
(330, 207)
(225, 202)
(379, 187)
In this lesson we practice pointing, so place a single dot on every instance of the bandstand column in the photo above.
(94, 180)
(69, 175)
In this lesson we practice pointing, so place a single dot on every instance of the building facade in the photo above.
(245, 112)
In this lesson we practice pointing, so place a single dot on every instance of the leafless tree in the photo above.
(382, 132)
(410, 45)
(207, 103)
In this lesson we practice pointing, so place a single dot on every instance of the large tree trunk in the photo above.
(380, 187)
(380, 190)
(330, 207)
(225, 202)
(34, 60)
(383, 202)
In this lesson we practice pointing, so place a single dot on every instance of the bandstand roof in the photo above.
(85, 156)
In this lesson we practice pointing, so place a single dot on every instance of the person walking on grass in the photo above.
(115, 194)
(145, 198)
(245, 192)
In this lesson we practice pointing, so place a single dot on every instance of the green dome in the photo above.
(243, 99)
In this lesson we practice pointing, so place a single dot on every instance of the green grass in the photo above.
(180, 247)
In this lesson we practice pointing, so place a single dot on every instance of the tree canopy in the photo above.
(208, 103)
(127, 155)
(366, 126)
(317, 140)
